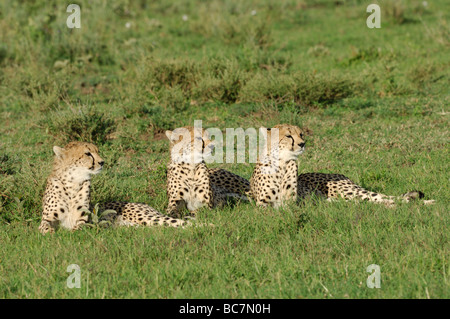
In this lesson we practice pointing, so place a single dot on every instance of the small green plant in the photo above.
(103, 219)
(7, 165)
(82, 124)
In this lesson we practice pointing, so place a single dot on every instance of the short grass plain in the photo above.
(374, 104)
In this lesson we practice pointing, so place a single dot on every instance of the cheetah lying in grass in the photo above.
(67, 195)
(189, 182)
(275, 178)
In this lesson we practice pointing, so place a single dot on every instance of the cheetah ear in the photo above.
(59, 151)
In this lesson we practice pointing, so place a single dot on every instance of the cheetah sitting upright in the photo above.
(189, 182)
(275, 179)
(67, 195)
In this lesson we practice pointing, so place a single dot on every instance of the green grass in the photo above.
(374, 104)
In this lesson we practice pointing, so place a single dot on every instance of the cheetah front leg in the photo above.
(261, 190)
(52, 208)
(176, 202)
(48, 225)
(267, 195)
(289, 183)
(175, 206)
(80, 204)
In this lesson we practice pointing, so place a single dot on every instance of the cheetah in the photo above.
(190, 183)
(67, 195)
(275, 178)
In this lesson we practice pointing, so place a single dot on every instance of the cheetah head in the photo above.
(189, 144)
(80, 159)
(291, 142)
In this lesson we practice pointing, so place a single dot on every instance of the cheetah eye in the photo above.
(88, 154)
(289, 136)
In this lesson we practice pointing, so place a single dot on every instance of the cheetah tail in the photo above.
(415, 195)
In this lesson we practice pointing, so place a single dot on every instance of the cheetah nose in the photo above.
(101, 163)
(301, 144)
